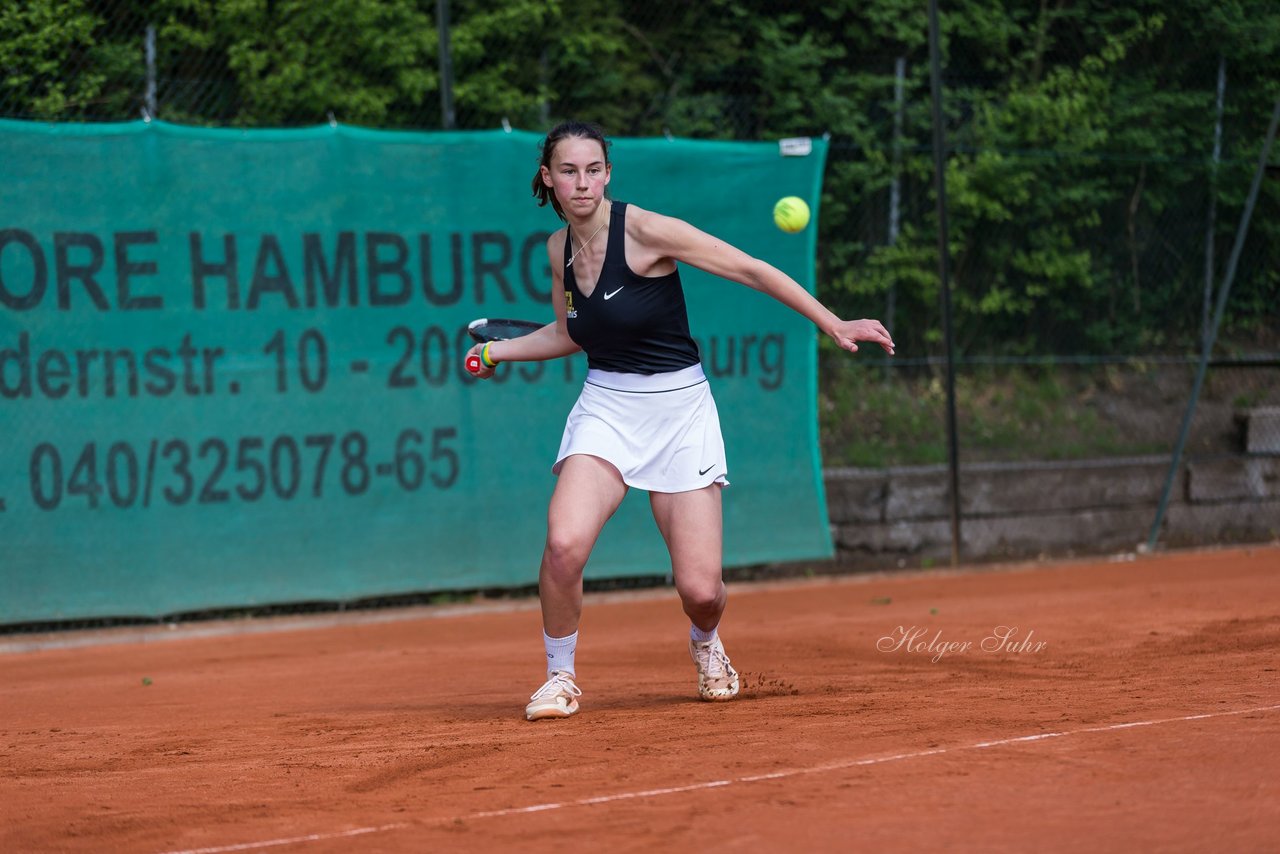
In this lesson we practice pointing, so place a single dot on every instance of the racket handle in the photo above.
(473, 364)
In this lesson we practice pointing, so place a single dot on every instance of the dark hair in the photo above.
(564, 130)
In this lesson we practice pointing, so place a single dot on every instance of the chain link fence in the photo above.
(1098, 163)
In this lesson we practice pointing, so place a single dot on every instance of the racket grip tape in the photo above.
(476, 360)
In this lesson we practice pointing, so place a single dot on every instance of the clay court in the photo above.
(1135, 707)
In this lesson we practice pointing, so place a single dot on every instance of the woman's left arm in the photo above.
(676, 239)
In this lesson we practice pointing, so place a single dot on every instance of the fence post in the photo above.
(1213, 206)
(1241, 232)
(944, 274)
(895, 189)
(149, 97)
(446, 65)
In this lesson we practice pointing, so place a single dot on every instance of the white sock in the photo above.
(699, 636)
(560, 652)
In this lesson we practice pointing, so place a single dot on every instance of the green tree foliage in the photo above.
(56, 61)
(1080, 131)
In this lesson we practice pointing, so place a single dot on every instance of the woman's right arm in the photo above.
(551, 341)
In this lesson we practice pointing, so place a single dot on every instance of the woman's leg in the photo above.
(691, 524)
(587, 493)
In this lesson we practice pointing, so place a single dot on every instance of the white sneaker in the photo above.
(717, 680)
(557, 698)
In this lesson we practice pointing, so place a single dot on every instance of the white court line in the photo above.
(293, 840)
(716, 784)
(852, 763)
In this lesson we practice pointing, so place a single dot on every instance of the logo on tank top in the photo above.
(569, 310)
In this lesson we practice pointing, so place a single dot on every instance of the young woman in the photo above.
(645, 417)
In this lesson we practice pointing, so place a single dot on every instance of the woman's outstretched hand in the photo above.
(847, 333)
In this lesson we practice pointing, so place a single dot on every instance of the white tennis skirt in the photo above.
(661, 432)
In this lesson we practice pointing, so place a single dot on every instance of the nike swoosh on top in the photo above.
(611, 294)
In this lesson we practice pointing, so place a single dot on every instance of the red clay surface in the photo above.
(408, 735)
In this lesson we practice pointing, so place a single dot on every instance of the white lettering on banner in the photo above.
(915, 640)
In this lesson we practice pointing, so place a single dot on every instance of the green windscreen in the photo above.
(231, 364)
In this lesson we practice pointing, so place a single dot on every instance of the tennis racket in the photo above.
(486, 329)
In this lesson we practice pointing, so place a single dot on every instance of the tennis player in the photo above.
(645, 418)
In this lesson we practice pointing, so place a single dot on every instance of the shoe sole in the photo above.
(719, 696)
(551, 713)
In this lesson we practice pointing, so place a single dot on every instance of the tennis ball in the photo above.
(791, 214)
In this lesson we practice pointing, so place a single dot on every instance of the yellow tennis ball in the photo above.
(791, 214)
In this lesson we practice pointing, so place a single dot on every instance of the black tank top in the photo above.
(631, 323)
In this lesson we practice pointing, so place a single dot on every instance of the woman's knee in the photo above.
(702, 594)
(566, 553)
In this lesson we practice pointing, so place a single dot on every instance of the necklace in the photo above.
(584, 244)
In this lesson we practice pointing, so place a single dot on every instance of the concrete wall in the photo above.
(1026, 510)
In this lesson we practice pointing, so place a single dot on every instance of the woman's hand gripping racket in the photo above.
(486, 331)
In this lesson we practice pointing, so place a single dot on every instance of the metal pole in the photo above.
(149, 99)
(446, 66)
(1213, 207)
(895, 189)
(944, 273)
(1241, 232)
